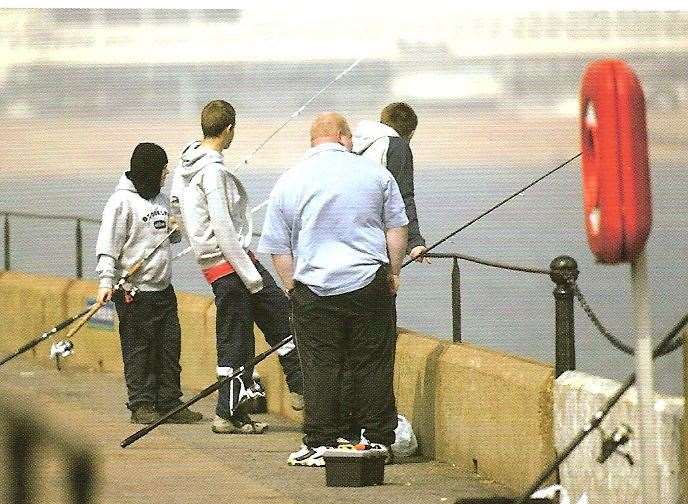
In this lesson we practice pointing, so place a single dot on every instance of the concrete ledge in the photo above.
(30, 305)
(493, 414)
(484, 411)
(198, 341)
(577, 397)
(415, 380)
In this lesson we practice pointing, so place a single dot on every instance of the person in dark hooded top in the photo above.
(387, 142)
(135, 220)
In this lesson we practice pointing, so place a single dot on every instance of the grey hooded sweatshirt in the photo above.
(382, 144)
(213, 205)
(132, 227)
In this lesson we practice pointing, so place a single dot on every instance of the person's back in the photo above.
(214, 207)
(339, 238)
(336, 229)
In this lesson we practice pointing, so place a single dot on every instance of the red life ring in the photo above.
(616, 175)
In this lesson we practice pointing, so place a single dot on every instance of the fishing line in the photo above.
(409, 261)
(298, 112)
(293, 116)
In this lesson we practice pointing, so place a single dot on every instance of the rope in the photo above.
(494, 207)
(615, 342)
(492, 264)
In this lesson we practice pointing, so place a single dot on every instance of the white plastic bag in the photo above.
(552, 491)
(405, 443)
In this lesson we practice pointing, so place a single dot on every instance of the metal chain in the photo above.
(603, 330)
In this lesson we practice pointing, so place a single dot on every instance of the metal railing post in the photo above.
(7, 242)
(562, 268)
(79, 250)
(456, 301)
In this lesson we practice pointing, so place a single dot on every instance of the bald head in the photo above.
(331, 127)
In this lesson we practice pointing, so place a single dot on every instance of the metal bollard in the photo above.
(79, 252)
(456, 301)
(7, 242)
(565, 346)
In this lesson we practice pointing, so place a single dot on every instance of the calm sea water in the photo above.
(501, 309)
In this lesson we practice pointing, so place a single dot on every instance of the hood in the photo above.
(195, 157)
(367, 132)
(125, 184)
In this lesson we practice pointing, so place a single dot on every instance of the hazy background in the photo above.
(497, 99)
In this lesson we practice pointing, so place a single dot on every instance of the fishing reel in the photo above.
(612, 442)
(60, 350)
(128, 289)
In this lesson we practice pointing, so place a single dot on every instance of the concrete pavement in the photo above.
(188, 463)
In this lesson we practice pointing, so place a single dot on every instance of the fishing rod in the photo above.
(85, 315)
(297, 113)
(264, 203)
(597, 418)
(32, 343)
(121, 284)
(522, 190)
(204, 393)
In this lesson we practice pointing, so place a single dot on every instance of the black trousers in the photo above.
(151, 344)
(354, 331)
(237, 310)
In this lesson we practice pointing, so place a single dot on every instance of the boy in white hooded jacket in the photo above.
(213, 205)
(135, 221)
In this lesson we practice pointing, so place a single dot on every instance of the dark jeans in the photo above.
(354, 331)
(351, 424)
(237, 310)
(151, 343)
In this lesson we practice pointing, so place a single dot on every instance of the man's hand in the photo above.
(417, 251)
(394, 283)
(173, 222)
(104, 295)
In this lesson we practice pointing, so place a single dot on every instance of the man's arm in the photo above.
(111, 238)
(396, 247)
(284, 266)
(400, 165)
(396, 250)
(226, 235)
(275, 238)
(396, 230)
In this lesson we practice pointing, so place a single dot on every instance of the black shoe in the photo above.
(144, 413)
(184, 416)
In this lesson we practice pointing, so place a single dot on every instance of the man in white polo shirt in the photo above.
(336, 229)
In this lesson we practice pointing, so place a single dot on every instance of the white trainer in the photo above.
(308, 457)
